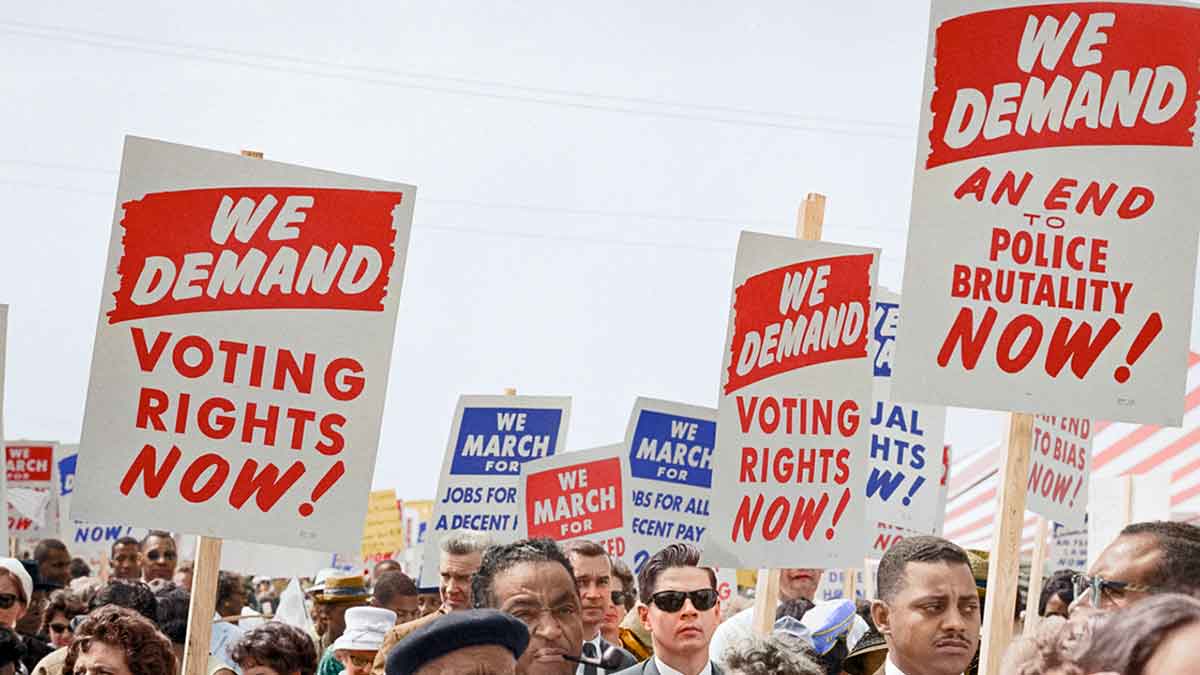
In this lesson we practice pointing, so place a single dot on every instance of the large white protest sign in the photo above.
(491, 437)
(1052, 248)
(670, 450)
(3, 352)
(1068, 549)
(1059, 469)
(242, 349)
(906, 480)
(577, 495)
(793, 431)
(87, 540)
(32, 487)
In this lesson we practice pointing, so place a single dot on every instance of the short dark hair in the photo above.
(889, 580)
(499, 559)
(134, 595)
(62, 602)
(385, 563)
(173, 603)
(392, 585)
(161, 534)
(621, 571)
(278, 646)
(228, 583)
(1127, 639)
(146, 651)
(674, 555)
(1060, 583)
(1179, 568)
(80, 568)
(124, 541)
(584, 548)
(42, 551)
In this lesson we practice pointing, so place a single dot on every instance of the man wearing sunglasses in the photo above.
(681, 612)
(158, 556)
(1145, 559)
(593, 579)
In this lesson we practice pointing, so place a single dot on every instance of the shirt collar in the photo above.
(890, 668)
(664, 669)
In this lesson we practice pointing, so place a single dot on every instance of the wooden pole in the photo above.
(1036, 573)
(810, 219)
(868, 580)
(206, 568)
(1004, 563)
(1127, 510)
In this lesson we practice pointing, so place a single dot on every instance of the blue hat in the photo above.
(455, 631)
(829, 621)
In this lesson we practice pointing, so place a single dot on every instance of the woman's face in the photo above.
(59, 629)
(10, 591)
(101, 659)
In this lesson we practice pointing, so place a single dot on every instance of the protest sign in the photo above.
(31, 481)
(241, 362)
(383, 535)
(577, 495)
(670, 449)
(906, 480)
(87, 540)
(1059, 469)
(1052, 246)
(793, 430)
(416, 514)
(491, 437)
(277, 562)
(3, 351)
(1069, 548)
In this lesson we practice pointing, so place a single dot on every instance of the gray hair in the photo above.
(773, 655)
(464, 542)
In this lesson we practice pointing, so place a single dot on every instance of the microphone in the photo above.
(610, 660)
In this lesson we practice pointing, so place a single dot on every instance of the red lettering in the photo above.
(148, 358)
(211, 460)
(334, 442)
(963, 333)
(192, 342)
(152, 403)
(145, 467)
(1077, 347)
(1008, 338)
(266, 487)
(351, 385)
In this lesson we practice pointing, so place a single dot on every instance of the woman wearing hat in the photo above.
(365, 629)
(16, 587)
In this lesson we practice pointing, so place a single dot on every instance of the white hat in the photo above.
(365, 629)
(18, 570)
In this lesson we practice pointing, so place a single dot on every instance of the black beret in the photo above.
(454, 631)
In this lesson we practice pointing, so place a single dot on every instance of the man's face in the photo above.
(932, 624)
(679, 635)
(1130, 558)
(611, 627)
(457, 571)
(320, 617)
(126, 562)
(477, 660)
(335, 620)
(799, 583)
(428, 603)
(542, 595)
(593, 578)
(405, 607)
(56, 566)
(355, 661)
(159, 558)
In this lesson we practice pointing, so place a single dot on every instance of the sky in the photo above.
(583, 171)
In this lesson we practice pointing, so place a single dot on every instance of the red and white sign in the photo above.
(242, 348)
(1060, 469)
(577, 495)
(1052, 247)
(31, 489)
(793, 421)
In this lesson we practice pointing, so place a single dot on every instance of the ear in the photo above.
(881, 615)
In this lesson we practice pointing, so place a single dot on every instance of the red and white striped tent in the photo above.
(1118, 449)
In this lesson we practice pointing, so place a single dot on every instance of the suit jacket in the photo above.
(627, 660)
(395, 635)
(649, 667)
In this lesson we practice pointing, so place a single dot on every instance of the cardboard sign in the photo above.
(793, 428)
(1069, 549)
(1060, 469)
(577, 495)
(383, 534)
(907, 477)
(670, 450)
(1052, 248)
(87, 540)
(416, 514)
(32, 485)
(491, 438)
(242, 349)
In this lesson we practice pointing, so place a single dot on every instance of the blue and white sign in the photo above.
(670, 448)
(906, 481)
(491, 437)
(88, 540)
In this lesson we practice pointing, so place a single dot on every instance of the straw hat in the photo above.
(343, 589)
(365, 629)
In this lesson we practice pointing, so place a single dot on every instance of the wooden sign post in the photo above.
(809, 221)
(1036, 572)
(1004, 563)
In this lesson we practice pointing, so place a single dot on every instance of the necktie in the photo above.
(589, 653)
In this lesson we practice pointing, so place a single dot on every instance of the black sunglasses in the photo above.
(59, 627)
(618, 597)
(7, 600)
(672, 601)
(153, 556)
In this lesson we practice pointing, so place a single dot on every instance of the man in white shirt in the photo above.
(593, 579)
(679, 608)
(928, 609)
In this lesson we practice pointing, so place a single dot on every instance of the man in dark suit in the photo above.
(679, 608)
(593, 578)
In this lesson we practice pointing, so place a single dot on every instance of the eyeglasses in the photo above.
(360, 660)
(154, 556)
(619, 597)
(7, 600)
(672, 601)
(1101, 588)
(59, 628)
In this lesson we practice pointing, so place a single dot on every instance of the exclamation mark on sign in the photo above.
(837, 513)
(323, 485)
(1145, 336)
(913, 490)
(1078, 484)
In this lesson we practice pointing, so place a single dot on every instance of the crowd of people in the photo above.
(537, 607)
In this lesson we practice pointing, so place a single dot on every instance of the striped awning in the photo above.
(1118, 449)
